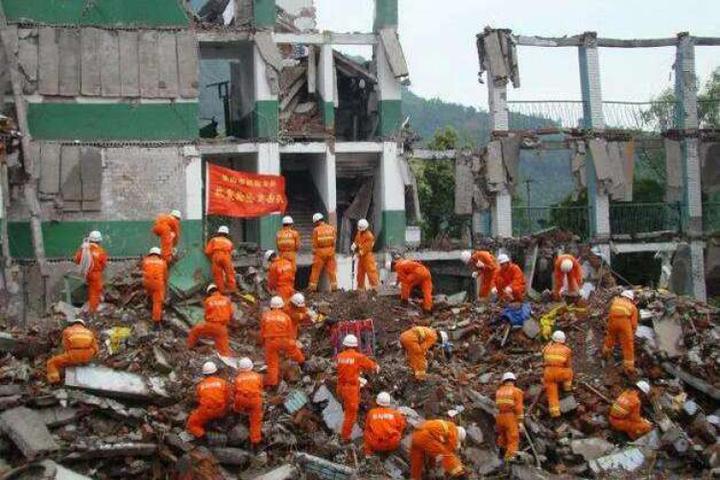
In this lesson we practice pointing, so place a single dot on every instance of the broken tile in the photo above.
(628, 460)
(28, 431)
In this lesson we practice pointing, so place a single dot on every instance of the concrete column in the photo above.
(264, 13)
(501, 210)
(686, 119)
(593, 119)
(386, 14)
(193, 213)
(323, 171)
(266, 116)
(326, 86)
(268, 163)
(390, 198)
(389, 95)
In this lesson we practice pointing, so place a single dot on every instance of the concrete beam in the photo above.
(423, 154)
(227, 148)
(327, 38)
(644, 247)
(206, 38)
(28, 431)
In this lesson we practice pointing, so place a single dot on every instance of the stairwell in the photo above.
(303, 202)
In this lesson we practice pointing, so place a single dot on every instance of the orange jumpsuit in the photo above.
(155, 276)
(94, 276)
(324, 236)
(287, 240)
(558, 369)
(249, 400)
(213, 394)
(511, 276)
(277, 333)
(487, 272)
(167, 228)
(384, 429)
(509, 401)
(412, 274)
(219, 251)
(625, 415)
(298, 316)
(435, 438)
(80, 347)
(574, 278)
(350, 363)
(622, 323)
(281, 278)
(417, 341)
(218, 312)
(365, 242)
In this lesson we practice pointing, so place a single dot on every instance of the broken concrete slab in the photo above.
(232, 456)
(28, 431)
(333, 412)
(110, 450)
(114, 383)
(11, 389)
(482, 402)
(284, 472)
(62, 473)
(668, 331)
(412, 417)
(190, 273)
(161, 360)
(324, 469)
(21, 346)
(591, 448)
(531, 328)
(58, 416)
(568, 404)
(628, 460)
(485, 461)
(650, 440)
(114, 407)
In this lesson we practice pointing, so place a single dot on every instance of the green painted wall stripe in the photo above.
(148, 13)
(269, 225)
(267, 122)
(120, 238)
(390, 117)
(113, 121)
(328, 111)
(393, 228)
(386, 13)
(264, 13)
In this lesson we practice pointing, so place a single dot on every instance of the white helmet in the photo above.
(298, 300)
(245, 364)
(558, 336)
(363, 225)
(176, 214)
(503, 258)
(276, 302)
(73, 321)
(462, 433)
(466, 256)
(210, 288)
(629, 294)
(350, 341)
(643, 386)
(95, 236)
(269, 255)
(317, 217)
(209, 368)
(155, 251)
(224, 230)
(508, 376)
(566, 265)
(287, 220)
(383, 399)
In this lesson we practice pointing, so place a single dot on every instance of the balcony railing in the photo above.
(635, 218)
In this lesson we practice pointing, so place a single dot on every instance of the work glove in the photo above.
(353, 247)
(494, 291)
(313, 315)
(508, 291)
(299, 345)
(521, 426)
(377, 369)
(475, 275)
(480, 265)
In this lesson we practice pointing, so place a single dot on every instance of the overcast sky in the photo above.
(439, 41)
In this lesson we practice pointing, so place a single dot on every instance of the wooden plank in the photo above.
(167, 61)
(49, 168)
(188, 70)
(49, 61)
(129, 64)
(110, 71)
(69, 51)
(70, 180)
(148, 61)
(28, 59)
(90, 61)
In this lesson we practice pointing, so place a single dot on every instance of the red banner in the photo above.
(244, 195)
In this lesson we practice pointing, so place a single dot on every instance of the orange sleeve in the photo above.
(519, 407)
(66, 339)
(166, 275)
(296, 234)
(103, 258)
(272, 277)
(209, 248)
(635, 408)
(367, 364)
(314, 238)
(366, 245)
(78, 255)
(518, 282)
(177, 228)
(577, 272)
(634, 318)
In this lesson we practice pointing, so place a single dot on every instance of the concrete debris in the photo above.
(650, 441)
(475, 434)
(58, 416)
(568, 404)
(238, 435)
(482, 402)
(284, 472)
(114, 450)
(113, 383)
(323, 469)
(232, 456)
(531, 328)
(161, 360)
(628, 460)
(591, 448)
(333, 413)
(28, 431)
(412, 417)
(485, 461)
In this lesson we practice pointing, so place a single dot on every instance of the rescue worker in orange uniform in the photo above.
(412, 274)
(155, 277)
(323, 242)
(92, 259)
(167, 228)
(287, 241)
(219, 251)
(79, 345)
(249, 398)
(568, 276)
(509, 281)
(509, 420)
(622, 323)
(213, 396)
(558, 369)
(384, 427)
(299, 314)
(625, 412)
(483, 266)
(276, 332)
(433, 439)
(281, 275)
(417, 341)
(350, 364)
(363, 246)
(218, 312)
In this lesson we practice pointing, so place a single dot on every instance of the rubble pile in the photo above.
(124, 415)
